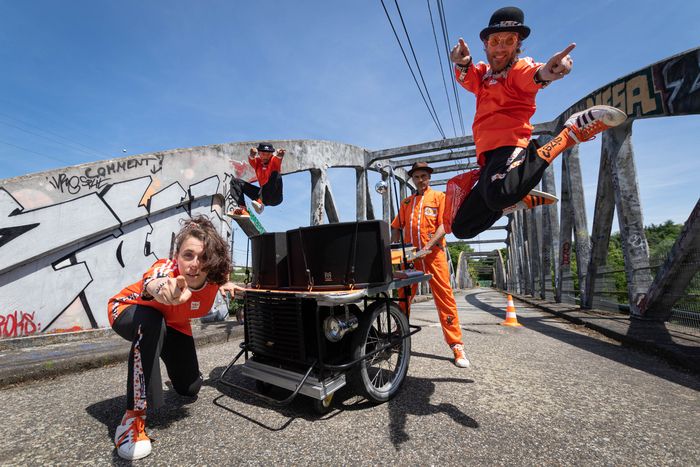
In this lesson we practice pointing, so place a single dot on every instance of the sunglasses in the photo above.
(508, 40)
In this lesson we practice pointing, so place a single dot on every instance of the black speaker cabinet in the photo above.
(270, 269)
(339, 256)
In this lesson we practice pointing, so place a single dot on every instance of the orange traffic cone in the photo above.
(511, 318)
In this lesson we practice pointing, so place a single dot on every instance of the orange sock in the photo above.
(556, 146)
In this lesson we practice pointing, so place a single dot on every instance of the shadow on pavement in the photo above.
(236, 402)
(109, 412)
(412, 399)
(590, 344)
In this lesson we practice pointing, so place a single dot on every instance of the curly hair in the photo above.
(217, 262)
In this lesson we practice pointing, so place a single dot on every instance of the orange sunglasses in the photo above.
(508, 40)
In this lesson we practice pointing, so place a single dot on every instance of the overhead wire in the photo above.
(420, 90)
(420, 72)
(34, 152)
(446, 40)
(90, 153)
(93, 151)
(442, 70)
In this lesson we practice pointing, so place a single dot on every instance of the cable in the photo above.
(442, 70)
(411, 69)
(92, 150)
(418, 66)
(445, 37)
(44, 136)
(34, 152)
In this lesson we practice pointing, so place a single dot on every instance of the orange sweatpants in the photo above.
(436, 264)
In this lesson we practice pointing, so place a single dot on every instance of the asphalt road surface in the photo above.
(548, 393)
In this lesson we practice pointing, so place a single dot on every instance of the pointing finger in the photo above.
(567, 50)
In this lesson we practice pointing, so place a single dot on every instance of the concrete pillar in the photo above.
(582, 240)
(387, 200)
(318, 196)
(602, 220)
(676, 273)
(635, 249)
(361, 194)
(550, 237)
(564, 292)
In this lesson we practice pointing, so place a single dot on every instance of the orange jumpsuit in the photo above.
(421, 215)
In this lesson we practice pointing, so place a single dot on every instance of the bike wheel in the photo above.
(379, 377)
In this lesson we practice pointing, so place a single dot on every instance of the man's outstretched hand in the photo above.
(460, 54)
(170, 290)
(558, 66)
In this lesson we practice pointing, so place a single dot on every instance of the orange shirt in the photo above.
(176, 316)
(505, 102)
(421, 215)
(263, 172)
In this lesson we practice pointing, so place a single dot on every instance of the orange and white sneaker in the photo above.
(583, 126)
(258, 206)
(239, 212)
(461, 359)
(531, 200)
(130, 438)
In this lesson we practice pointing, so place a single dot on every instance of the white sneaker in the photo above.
(130, 437)
(585, 125)
(531, 200)
(461, 359)
(258, 206)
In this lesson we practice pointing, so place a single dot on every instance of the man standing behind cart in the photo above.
(420, 218)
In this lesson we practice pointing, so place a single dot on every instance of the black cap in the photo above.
(265, 147)
(506, 19)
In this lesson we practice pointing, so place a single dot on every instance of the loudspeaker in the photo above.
(339, 256)
(270, 269)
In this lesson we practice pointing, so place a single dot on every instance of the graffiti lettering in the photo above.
(155, 163)
(565, 253)
(634, 94)
(18, 324)
(75, 183)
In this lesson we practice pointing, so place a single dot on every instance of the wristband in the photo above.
(541, 82)
(464, 68)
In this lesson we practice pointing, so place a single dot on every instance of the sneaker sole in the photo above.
(547, 196)
(612, 116)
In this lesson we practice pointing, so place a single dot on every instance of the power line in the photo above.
(411, 70)
(427, 93)
(47, 137)
(442, 70)
(92, 152)
(34, 152)
(445, 37)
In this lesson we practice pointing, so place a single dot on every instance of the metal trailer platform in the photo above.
(374, 355)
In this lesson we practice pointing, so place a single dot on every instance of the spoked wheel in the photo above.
(379, 377)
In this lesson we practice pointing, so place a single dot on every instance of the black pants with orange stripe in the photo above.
(509, 174)
(152, 339)
(270, 193)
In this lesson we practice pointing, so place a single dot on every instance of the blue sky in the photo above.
(84, 80)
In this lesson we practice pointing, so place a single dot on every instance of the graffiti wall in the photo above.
(666, 88)
(71, 238)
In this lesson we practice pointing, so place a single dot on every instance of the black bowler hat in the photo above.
(506, 19)
(420, 166)
(265, 147)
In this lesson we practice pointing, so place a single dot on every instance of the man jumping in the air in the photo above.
(510, 164)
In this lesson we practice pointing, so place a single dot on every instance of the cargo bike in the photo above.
(321, 314)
